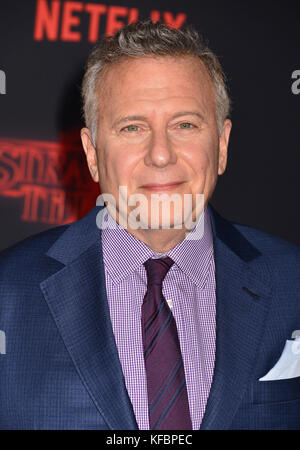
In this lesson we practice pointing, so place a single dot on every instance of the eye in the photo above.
(185, 125)
(131, 128)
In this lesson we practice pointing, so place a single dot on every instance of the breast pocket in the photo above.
(275, 391)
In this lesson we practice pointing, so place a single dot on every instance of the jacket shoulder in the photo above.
(29, 255)
(250, 242)
(268, 243)
(281, 256)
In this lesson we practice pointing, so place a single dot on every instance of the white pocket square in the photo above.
(288, 365)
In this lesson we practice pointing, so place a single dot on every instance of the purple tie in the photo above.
(167, 394)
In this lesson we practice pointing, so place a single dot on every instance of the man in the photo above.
(115, 323)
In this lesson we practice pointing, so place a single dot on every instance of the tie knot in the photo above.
(157, 269)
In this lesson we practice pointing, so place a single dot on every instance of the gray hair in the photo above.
(148, 39)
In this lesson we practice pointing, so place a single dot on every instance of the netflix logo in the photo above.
(56, 20)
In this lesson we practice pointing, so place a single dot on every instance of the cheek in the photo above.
(118, 164)
(201, 159)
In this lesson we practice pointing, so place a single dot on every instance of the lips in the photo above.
(163, 186)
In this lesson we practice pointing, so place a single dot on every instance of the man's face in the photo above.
(157, 125)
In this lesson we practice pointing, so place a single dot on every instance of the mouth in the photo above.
(161, 187)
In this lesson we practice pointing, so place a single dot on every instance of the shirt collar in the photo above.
(123, 253)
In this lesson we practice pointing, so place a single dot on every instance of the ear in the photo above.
(223, 146)
(90, 153)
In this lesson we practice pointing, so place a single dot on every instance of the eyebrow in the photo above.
(138, 117)
(128, 119)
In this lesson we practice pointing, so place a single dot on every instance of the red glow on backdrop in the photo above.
(51, 178)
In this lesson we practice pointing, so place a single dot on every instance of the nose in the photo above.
(161, 151)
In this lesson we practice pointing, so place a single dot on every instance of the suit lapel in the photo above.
(76, 295)
(77, 299)
(242, 293)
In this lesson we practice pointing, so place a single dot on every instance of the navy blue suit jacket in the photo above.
(61, 368)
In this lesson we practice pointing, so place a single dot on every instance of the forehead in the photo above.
(155, 80)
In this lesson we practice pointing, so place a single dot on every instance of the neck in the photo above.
(161, 241)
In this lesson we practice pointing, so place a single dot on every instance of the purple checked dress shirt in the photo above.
(189, 288)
